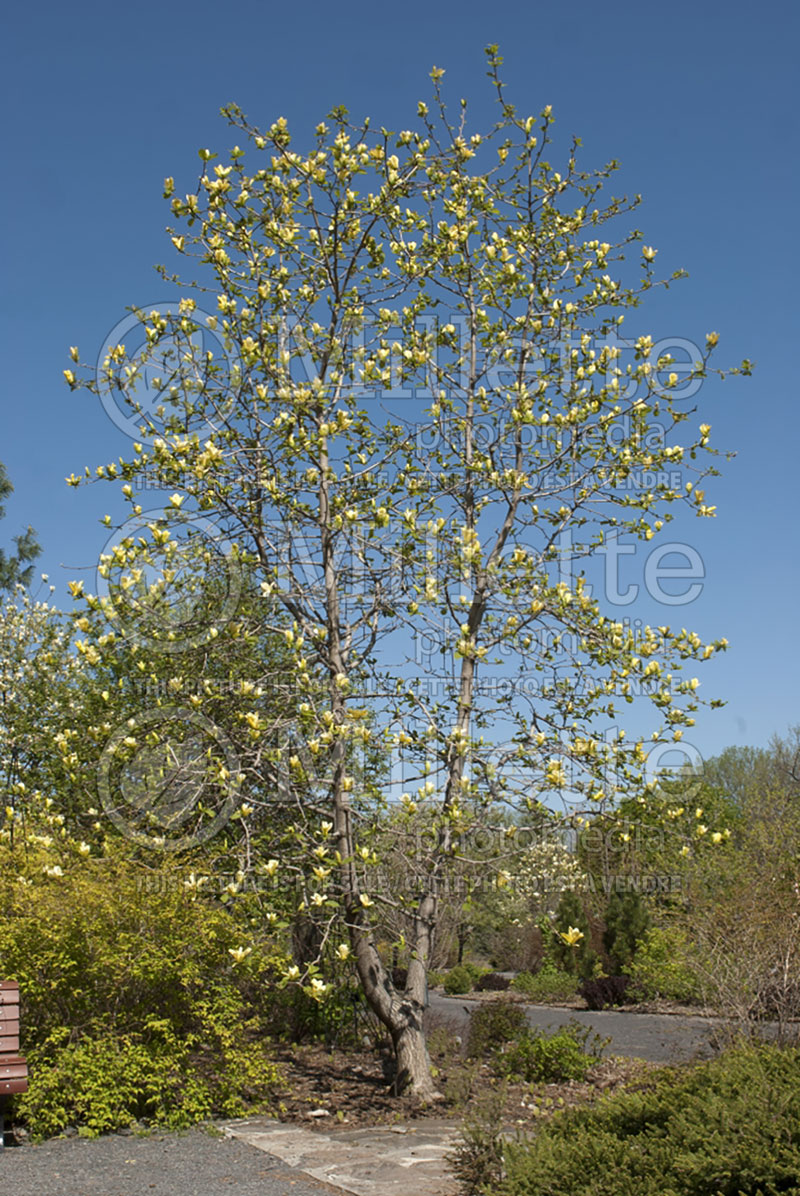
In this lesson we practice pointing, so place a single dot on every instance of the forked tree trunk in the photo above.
(400, 1013)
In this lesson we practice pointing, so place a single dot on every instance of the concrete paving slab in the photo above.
(374, 1161)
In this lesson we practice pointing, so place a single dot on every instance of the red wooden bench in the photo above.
(13, 1068)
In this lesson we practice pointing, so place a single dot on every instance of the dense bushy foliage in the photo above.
(537, 1057)
(459, 980)
(730, 1127)
(548, 984)
(606, 990)
(492, 1025)
(627, 919)
(493, 982)
(139, 1001)
(662, 966)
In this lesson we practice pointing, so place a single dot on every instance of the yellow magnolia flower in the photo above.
(239, 953)
(572, 936)
(195, 882)
(555, 774)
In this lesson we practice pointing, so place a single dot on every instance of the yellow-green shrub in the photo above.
(662, 965)
(133, 1005)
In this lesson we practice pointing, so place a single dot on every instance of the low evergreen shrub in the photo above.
(459, 980)
(493, 982)
(492, 1025)
(729, 1127)
(550, 983)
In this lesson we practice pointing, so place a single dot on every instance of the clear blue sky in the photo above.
(699, 102)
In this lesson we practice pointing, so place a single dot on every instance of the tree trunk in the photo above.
(463, 931)
(413, 1062)
(400, 1013)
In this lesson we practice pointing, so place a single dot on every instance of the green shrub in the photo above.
(548, 984)
(459, 980)
(627, 920)
(436, 979)
(493, 982)
(662, 966)
(536, 1057)
(580, 958)
(134, 1003)
(105, 1084)
(730, 1127)
(493, 1024)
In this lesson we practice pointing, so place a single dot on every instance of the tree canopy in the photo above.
(417, 406)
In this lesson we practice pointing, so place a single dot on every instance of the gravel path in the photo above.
(191, 1164)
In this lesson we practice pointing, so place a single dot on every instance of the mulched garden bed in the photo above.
(325, 1088)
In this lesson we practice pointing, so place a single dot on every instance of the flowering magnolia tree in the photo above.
(42, 686)
(418, 391)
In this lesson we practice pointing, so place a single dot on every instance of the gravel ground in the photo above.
(195, 1163)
